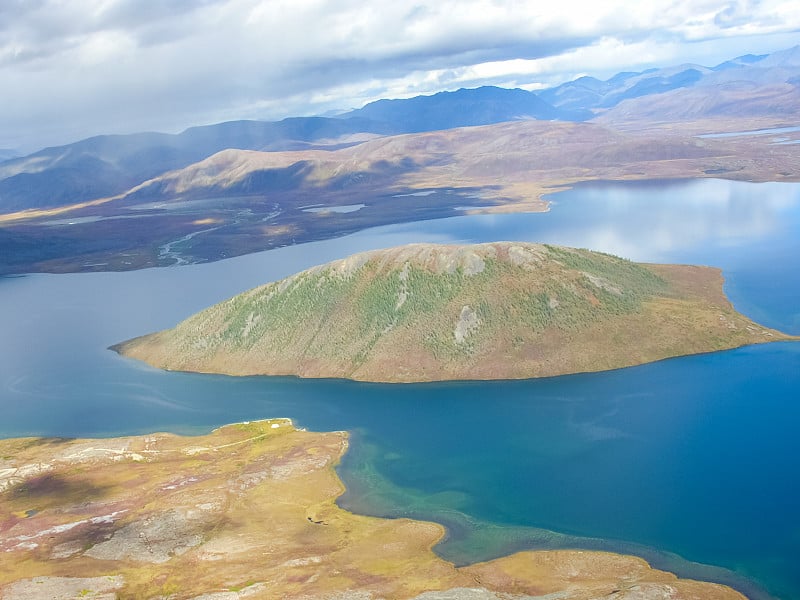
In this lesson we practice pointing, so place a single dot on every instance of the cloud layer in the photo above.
(72, 69)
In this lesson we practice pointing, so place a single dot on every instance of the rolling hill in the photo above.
(427, 312)
(109, 164)
(498, 154)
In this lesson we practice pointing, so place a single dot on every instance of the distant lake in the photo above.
(751, 132)
(693, 463)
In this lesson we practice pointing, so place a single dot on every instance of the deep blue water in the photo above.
(686, 461)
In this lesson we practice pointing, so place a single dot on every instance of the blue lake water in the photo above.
(693, 463)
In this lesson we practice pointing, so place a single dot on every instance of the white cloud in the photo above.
(72, 69)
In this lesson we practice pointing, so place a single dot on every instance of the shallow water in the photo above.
(690, 459)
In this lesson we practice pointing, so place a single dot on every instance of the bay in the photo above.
(693, 463)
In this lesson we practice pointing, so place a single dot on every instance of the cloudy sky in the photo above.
(74, 68)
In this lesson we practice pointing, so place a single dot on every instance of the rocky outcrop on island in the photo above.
(428, 312)
(249, 511)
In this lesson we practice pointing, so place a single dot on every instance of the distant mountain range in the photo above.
(588, 93)
(102, 166)
(465, 108)
(745, 87)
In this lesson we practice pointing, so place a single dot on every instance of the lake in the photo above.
(692, 463)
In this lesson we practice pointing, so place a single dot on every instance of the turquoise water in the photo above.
(664, 455)
(693, 463)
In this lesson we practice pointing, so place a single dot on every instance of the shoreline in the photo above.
(518, 197)
(462, 530)
(289, 475)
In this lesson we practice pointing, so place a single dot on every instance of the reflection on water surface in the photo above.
(696, 456)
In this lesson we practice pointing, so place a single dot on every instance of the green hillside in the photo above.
(428, 312)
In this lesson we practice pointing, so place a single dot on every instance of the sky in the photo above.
(70, 69)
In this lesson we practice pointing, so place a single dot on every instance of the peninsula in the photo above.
(249, 511)
(427, 312)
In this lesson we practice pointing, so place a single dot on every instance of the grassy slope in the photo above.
(491, 311)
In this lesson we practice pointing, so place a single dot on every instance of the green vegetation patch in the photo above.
(633, 278)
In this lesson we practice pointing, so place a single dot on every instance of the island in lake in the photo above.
(249, 511)
(427, 312)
